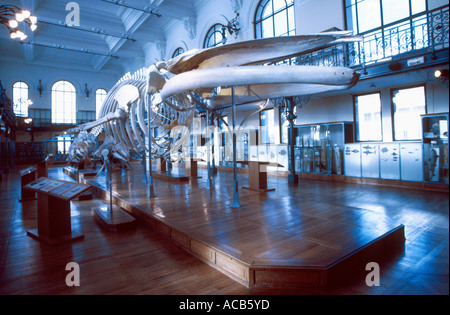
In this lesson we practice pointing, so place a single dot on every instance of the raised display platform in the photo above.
(285, 240)
(114, 219)
(170, 176)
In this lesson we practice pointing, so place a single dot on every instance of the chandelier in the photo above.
(13, 17)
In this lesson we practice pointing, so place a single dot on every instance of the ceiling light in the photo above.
(14, 19)
(441, 74)
(26, 14)
(21, 35)
(13, 23)
(20, 17)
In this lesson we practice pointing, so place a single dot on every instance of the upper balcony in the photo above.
(418, 41)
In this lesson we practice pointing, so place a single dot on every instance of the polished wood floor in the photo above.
(143, 261)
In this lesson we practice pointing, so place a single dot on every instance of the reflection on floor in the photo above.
(265, 231)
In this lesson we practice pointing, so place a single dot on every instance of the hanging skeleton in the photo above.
(166, 94)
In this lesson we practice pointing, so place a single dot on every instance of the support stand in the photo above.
(27, 176)
(111, 216)
(208, 153)
(150, 192)
(292, 177)
(144, 170)
(213, 160)
(53, 210)
(257, 175)
(236, 203)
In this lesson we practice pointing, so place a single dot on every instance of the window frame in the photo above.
(19, 113)
(390, 41)
(260, 128)
(382, 25)
(355, 121)
(72, 111)
(393, 110)
(97, 107)
(258, 19)
(211, 31)
(178, 51)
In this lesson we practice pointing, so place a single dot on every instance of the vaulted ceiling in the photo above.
(110, 35)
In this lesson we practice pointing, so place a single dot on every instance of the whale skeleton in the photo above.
(163, 97)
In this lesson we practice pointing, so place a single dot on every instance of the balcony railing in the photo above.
(428, 32)
(42, 118)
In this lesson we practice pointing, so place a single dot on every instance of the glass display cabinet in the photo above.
(352, 165)
(320, 147)
(411, 161)
(242, 145)
(370, 160)
(435, 147)
(390, 161)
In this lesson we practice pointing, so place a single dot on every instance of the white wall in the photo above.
(30, 74)
(326, 109)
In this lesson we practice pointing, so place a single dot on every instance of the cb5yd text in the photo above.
(227, 305)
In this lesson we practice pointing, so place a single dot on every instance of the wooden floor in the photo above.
(144, 261)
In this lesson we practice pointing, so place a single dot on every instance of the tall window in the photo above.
(368, 117)
(275, 18)
(215, 36)
(178, 52)
(100, 96)
(268, 130)
(63, 103)
(20, 99)
(389, 27)
(408, 104)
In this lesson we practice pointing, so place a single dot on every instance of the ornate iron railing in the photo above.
(425, 32)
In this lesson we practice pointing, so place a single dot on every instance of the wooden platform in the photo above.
(272, 242)
(115, 219)
(170, 176)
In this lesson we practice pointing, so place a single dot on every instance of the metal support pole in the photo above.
(151, 192)
(144, 169)
(292, 177)
(110, 188)
(213, 139)
(208, 148)
(236, 203)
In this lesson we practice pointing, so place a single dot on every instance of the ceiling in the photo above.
(110, 35)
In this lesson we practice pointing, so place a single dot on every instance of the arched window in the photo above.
(275, 18)
(178, 52)
(215, 36)
(63, 103)
(20, 99)
(100, 96)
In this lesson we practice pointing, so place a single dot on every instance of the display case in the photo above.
(435, 147)
(352, 159)
(411, 165)
(253, 153)
(242, 145)
(370, 160)
(320, 147)
(390, 161)
(282, 158)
